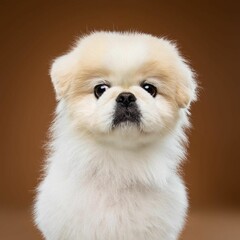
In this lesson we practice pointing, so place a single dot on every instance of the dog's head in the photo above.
(124, 86)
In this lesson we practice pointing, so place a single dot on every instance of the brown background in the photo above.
(34, 32)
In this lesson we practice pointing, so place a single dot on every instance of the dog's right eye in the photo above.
(100, 89)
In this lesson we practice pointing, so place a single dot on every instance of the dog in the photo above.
(117, 141)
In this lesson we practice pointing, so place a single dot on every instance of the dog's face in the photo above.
(123, 86)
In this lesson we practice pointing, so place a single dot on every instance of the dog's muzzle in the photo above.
(126, 109)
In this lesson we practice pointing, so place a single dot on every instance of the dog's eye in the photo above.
(100, 89)
(149, 88)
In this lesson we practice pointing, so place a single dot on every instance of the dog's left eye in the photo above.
(100, 89)
(150, 89)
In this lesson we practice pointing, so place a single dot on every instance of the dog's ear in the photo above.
(61, 75)
(186, 91)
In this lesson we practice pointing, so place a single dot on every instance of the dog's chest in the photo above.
(114, 212)
(96, 211)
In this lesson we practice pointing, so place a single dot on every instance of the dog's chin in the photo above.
(127, 130)
(126, 134)
(126, 123)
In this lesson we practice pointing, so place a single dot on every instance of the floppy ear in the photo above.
(186, 88)
(61, 75)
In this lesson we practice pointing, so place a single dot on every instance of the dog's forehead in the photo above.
(123, 56)
(116, 53)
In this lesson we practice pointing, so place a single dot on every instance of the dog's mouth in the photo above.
(126, 115)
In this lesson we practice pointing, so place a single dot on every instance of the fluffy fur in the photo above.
(122, 183)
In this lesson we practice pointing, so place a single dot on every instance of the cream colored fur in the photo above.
(116, 184)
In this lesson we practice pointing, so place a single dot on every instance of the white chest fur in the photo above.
(101, 197)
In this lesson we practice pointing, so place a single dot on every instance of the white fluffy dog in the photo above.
(117, 141)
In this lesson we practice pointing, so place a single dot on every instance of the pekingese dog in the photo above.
(117, 141)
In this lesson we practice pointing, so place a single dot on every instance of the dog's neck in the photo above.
(84, 158)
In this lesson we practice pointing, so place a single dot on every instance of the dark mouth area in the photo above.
(123, 114)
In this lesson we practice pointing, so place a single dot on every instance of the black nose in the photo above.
(126, 98)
